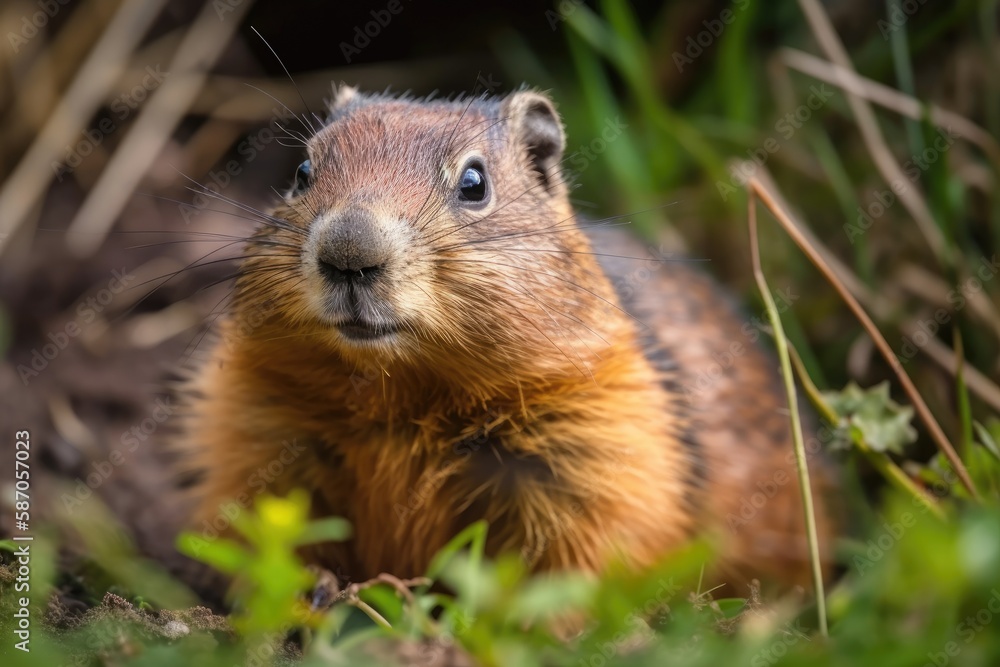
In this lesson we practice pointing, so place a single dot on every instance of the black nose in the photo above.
(351, 249)
(336, 274)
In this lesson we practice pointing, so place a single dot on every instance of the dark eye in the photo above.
(472, 186)
(303, 177)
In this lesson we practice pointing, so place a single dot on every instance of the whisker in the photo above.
(262, 217)
(249, 240)
(485, 217)
(551, 275)
(549, 314)
(295, 136)
(294, 115)
(602, 254)
(564, 314)
(217, 312)
(294, 85)
(236, 275)
(442, 208)
(430, 191)
(257, 214)
(170, 276)
(295, 335)
(495, 297)
(188, 355)
(157, 231)
(566, 225)
(572, 222)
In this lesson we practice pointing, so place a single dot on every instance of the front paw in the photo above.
(325, 591)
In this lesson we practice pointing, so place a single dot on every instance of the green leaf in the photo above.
(385, 600)
(874, 416)
(475, 582)
(731, 607)
(474, 536)
(551, 595)
(223, 554)
(986, 439)
(331, 529)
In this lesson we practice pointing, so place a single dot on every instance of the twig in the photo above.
(880, 305)
(879, 150)
(102, 68)
(975, 380)
(46, 76)
(793, 407)
(402, 586)
(880, 460)
(923, 283)
(890, 98)
(372, 614)
(918, 402)
(201, 46)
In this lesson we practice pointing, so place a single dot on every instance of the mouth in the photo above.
(360, 330)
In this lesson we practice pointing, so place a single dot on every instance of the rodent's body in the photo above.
(456, 359)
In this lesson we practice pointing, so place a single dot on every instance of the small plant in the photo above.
(269, 578)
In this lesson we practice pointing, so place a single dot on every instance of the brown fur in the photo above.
(518, 388)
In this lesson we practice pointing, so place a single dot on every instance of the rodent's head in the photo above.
(437, 232)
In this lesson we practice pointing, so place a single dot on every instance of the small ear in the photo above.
(535, 123)
(342, 96)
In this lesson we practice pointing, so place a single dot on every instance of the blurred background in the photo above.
(875, 122)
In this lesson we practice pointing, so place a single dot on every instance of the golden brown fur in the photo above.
(517, 387)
